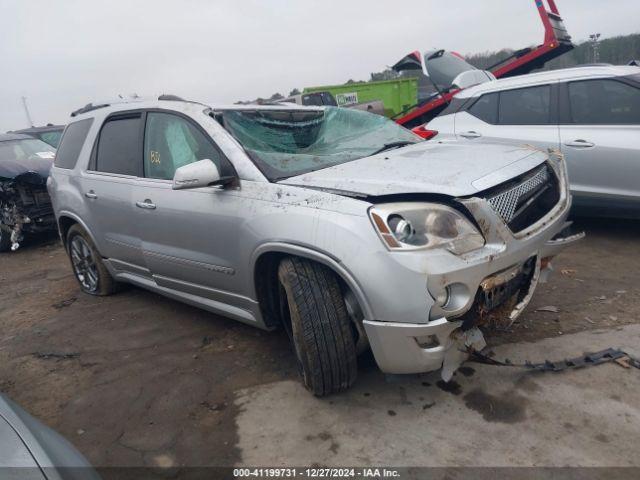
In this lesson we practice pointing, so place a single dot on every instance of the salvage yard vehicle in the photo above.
(591, 114)
(449, 75)
(31, 450)
(25, 206)
(50, 134)
(341, 226)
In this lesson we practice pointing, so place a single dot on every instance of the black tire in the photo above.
(5, 238)
(104, 284)
(319, 326)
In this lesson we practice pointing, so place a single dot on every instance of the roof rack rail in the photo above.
(172, 98)
(582, 65)
(88, 108)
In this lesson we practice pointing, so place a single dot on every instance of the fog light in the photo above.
(428, 341)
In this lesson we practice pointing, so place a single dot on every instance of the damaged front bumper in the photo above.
(416, 348)
(25, 208)
(492, 285)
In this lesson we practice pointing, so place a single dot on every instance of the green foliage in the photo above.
(386, 74)
(615, 50)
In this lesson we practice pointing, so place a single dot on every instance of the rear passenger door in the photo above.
(108, 185)
(600, 135)
(522, 115)
(189, 237)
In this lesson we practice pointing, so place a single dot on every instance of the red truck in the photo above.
(442, 74)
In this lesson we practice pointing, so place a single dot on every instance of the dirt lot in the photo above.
(137, 379)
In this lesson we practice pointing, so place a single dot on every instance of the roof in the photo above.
(46, 128)
(589, 71)
(119, 105)
(4, 137)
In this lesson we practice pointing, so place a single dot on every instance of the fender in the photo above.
(322, 257)
(77, 219)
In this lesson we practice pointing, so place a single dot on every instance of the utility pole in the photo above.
(26, 111)
(594, 39)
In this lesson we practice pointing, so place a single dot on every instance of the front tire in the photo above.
(88, 268)
(319, 326)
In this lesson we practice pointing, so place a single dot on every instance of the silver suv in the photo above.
(591, 114)
(336, 224)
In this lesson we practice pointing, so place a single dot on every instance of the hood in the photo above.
(11, 169)
(453, 169)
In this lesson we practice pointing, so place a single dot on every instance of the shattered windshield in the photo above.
(286, 143)
(20, 150)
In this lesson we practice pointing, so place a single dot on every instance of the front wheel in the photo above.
(319, 326)
(88, 268)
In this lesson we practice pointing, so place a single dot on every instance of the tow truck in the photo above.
(443, 74)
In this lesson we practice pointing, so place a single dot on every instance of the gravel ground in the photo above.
(137, 379)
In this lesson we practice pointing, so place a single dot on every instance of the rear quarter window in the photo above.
(120, 146)
(72, 140)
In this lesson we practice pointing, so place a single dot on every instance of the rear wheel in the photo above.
(317, 321)
(5, 238)
(92, 275)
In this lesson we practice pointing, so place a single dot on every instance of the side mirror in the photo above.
(202, 173)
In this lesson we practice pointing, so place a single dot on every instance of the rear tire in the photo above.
(5, 238)
(319, 326)
(87, 265)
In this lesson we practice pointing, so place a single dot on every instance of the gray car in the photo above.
(25, 207)
(591, 114)
(336, 224)
(30, 450)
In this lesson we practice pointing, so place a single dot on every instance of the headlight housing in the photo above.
(417, 225)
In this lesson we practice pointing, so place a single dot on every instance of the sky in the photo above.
(62, 54)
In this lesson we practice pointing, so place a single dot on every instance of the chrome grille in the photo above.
(506, 202)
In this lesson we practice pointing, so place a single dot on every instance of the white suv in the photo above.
(591, 114)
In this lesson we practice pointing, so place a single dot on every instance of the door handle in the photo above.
(470, 134)
(147, 204)
(91, 194)
(580, 143)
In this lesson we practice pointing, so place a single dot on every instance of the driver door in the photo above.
(189, 237)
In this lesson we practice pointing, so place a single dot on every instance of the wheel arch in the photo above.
(264, 268)
(65, 221)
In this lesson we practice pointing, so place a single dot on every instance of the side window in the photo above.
(119, 146)
(74, 137)
(525, 106)
(327, 99)
(604, 102)
(486, 108)
(171, 142)
(53, 138)
(312, 99)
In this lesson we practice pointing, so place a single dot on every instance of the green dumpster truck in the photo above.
(387, 97)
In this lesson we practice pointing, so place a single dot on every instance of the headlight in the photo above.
(414, 226)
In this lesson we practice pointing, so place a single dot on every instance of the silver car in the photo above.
(591, 114)
(336, 224)
(29, 450)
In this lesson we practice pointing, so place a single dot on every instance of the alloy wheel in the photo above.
(84, 265)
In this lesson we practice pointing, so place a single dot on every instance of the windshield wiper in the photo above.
(389, 146)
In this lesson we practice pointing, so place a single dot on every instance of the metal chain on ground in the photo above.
(586, 360)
